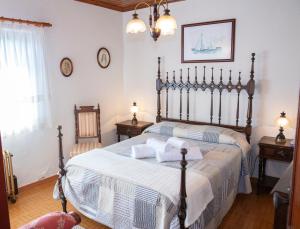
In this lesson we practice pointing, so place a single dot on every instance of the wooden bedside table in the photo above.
(126, 128)
(268, 149)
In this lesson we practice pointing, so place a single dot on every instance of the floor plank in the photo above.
(247, 212)
(250, 212)
(36, 201)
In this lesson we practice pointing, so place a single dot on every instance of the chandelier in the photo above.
(158, 25)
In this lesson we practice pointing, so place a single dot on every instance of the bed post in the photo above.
(98, 124)
(250, 91)
(158, 89)
(182, 203)
(61, 172)
(76, 124)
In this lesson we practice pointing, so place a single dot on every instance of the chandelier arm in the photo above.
(161, 3)
(142, 3)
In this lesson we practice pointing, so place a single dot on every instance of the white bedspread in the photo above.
(163, 179)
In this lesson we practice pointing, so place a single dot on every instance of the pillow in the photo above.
(206, 133)
(164, 128)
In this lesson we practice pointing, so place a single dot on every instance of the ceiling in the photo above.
(120, 5)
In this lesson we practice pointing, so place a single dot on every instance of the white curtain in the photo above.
(24, 98)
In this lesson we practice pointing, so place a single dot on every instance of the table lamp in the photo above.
(282, 122)
(134, 109)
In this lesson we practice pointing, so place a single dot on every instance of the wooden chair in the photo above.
(87, 127)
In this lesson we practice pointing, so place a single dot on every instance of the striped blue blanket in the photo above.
(126, 205)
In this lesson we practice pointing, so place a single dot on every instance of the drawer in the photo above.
(128, 131)
(276, 154)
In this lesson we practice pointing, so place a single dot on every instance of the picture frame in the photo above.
(103, 57)
(204, 42)
(66, 67)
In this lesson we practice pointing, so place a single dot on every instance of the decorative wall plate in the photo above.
(66, 67)
(103, 58)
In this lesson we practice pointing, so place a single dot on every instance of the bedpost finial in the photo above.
(183, 152)
(59, 128)
(252, 65)
(181, 74)
(221, 75)
(183, 161)
(158, 70)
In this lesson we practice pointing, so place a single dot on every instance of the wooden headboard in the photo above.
(218, 86)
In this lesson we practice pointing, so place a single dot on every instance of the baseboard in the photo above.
(37, 183)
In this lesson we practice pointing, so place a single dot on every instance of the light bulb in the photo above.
(166, 23)
(282, 121)
(135, 25)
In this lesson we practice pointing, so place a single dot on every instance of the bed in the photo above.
(110, 187)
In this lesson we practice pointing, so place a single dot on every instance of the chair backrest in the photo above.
(87, 122)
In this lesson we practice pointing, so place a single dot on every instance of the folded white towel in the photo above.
(142, 151)
(158, 145)
(179, 143)
(193, 153)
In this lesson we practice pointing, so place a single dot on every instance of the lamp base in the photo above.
(134, 120)
(280, 138)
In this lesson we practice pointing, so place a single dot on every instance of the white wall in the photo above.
(78, 31)
(268, 28)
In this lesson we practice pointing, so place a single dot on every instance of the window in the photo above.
(24, 98)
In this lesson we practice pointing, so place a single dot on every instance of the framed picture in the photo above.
(66, 67)
(208, 41)
(103, 57)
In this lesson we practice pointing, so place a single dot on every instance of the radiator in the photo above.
(10, 179)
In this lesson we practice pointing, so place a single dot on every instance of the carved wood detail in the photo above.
(182, 203)
(62, 171)
(212, 85)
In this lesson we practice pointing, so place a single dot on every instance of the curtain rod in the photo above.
(35, 23)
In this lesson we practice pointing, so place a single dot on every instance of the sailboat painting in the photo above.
(208, 42)
(204, 47)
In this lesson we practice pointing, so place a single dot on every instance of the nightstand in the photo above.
(268, 149)
(126, 128)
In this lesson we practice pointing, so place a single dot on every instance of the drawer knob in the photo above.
(281, 153)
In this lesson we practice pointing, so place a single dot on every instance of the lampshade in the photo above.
(166, 23)
(135, 25)
(282, 120)
(134, 108)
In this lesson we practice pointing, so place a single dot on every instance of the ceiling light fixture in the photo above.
(159, 25)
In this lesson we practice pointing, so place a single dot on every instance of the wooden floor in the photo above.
(248, 211)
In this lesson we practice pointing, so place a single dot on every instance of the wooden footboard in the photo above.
(182, 204)
(61, 172)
